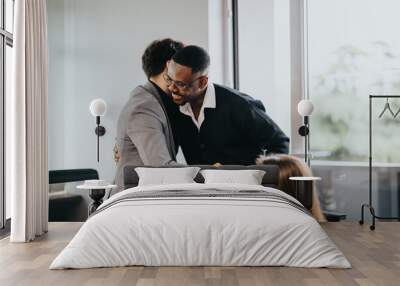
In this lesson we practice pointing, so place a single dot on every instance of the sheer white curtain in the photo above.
(27, 122)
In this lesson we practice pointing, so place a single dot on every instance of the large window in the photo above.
(353, 51)
(6, 43)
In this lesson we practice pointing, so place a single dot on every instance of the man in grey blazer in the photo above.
(144, 133)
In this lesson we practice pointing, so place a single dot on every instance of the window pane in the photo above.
(353, 52)
(9, 15)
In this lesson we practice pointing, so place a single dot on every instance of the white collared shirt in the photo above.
(208, 102)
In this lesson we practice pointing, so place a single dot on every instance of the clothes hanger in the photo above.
(387, 107)
(397, 113)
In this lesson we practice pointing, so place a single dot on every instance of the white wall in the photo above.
(95, 51)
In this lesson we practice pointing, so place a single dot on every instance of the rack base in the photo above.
(374, 216)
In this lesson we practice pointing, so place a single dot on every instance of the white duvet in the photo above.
(200, 231)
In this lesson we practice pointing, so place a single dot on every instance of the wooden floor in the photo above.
(375, 257)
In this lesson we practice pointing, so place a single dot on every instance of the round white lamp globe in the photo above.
(305, 107)
(98, 107)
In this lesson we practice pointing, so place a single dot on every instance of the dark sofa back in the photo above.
(270, 179)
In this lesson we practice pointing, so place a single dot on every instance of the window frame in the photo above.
(235, 43)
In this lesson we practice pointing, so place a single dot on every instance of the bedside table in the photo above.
(304, 189)
(96, 193)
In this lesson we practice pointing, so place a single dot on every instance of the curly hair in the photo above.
(157, 54)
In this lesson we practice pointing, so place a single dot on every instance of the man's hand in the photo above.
(217, 165)
(116, 153)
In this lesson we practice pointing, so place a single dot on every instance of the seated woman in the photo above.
(290, 166)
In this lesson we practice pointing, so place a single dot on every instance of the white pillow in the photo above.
(248, 177)
(166, 176)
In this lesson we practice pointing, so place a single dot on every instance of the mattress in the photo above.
(201, 225)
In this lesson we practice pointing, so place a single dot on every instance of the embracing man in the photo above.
(217, 124)
(144, 133)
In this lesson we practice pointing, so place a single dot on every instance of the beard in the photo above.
(183, 99)
(178, 99)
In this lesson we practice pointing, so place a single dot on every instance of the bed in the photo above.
(198, 224)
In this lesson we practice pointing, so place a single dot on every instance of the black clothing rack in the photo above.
(369, 204)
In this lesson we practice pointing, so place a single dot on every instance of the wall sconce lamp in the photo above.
(98, 108)
(305, 108)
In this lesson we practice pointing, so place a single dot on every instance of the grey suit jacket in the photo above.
(144, 134)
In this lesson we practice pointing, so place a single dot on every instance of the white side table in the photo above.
(304, 186)
(96, 193)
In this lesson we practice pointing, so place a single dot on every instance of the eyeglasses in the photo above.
(179, 84)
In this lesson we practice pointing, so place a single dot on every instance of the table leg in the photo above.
(97, 196)
(304, 193)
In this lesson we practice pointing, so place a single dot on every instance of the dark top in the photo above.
(235, 132)
(172, 110)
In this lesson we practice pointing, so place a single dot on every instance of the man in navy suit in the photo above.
(217, 124)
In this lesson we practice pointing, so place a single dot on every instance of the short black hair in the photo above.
(157, 54)
(193, 57)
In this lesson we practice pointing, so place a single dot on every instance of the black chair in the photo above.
(69, 206)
